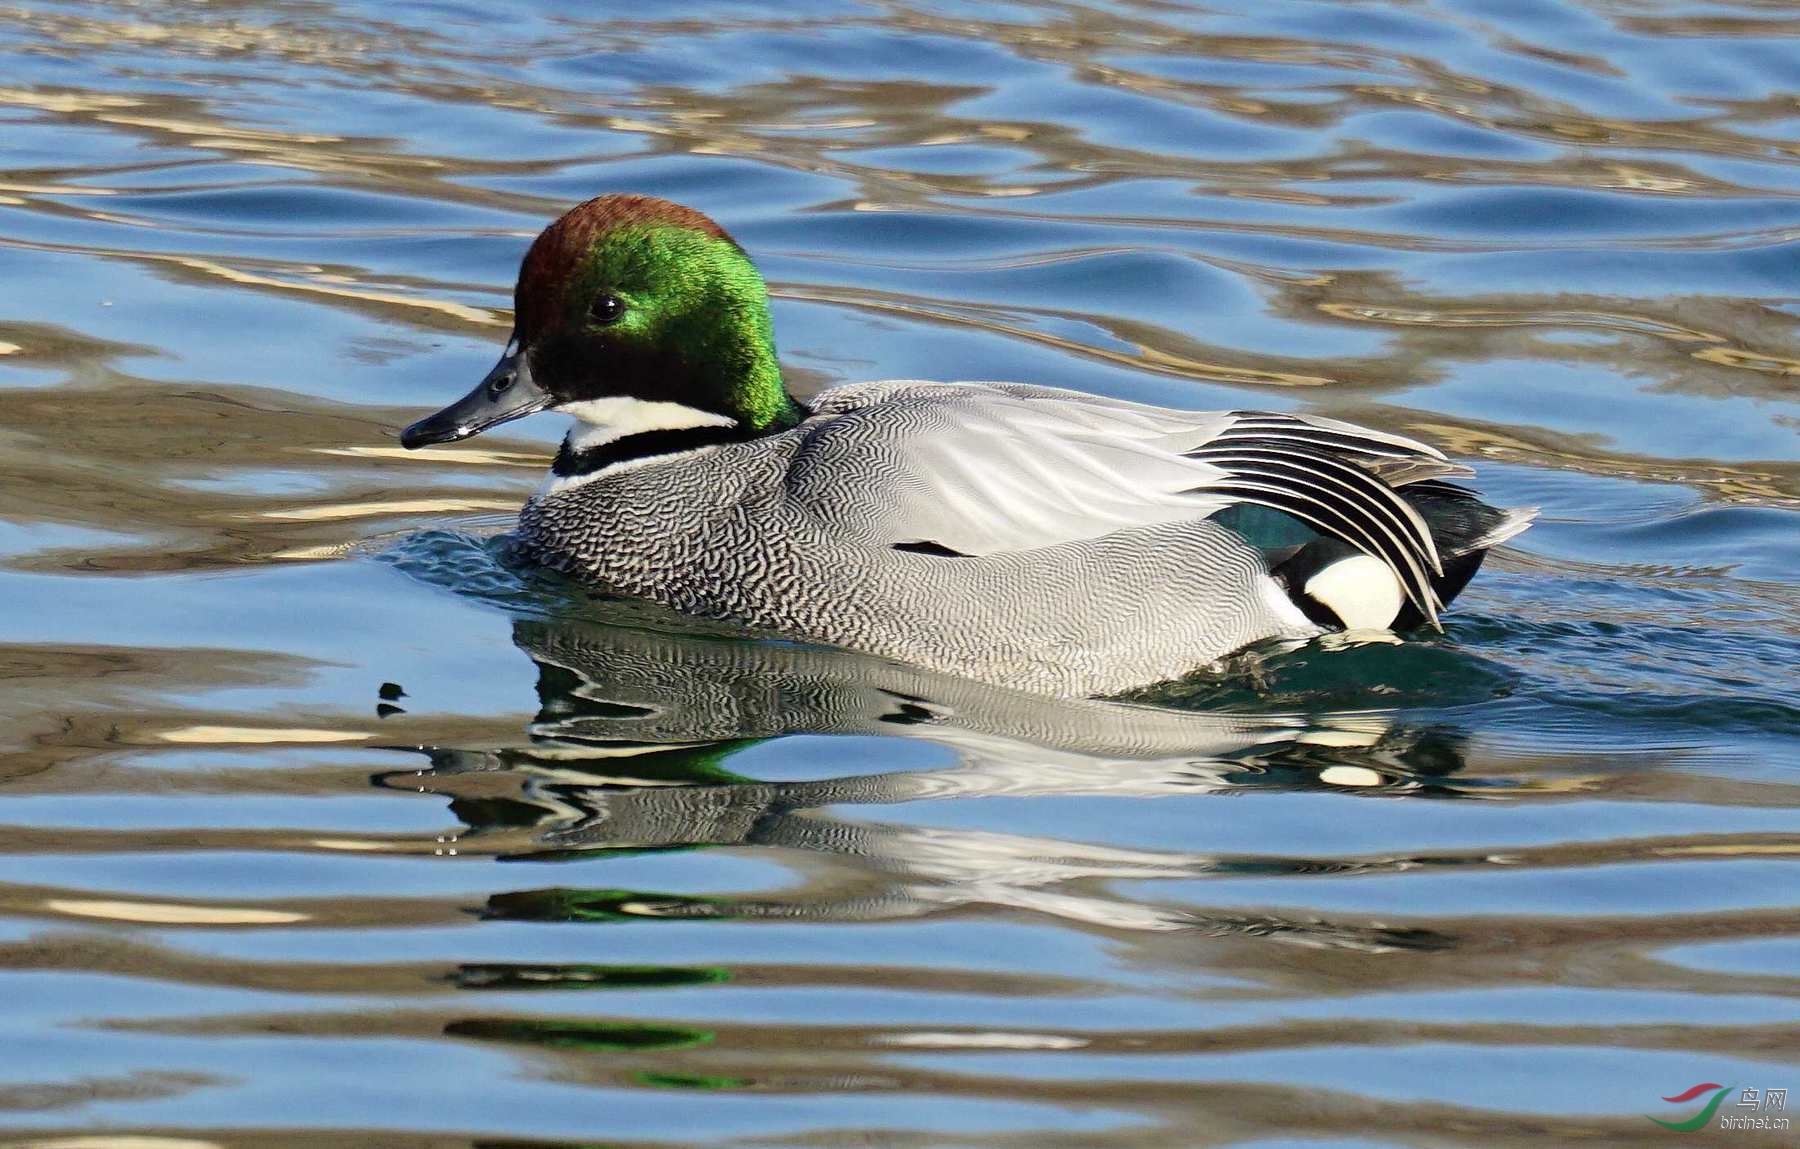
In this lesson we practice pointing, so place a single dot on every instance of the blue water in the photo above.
(324, 823)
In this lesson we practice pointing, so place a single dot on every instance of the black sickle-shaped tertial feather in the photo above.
(1346, 441)
(1343, 440)
(1333, 521)
(1338, 498)
(1347, 478)
(1392, 463)
(1318, 437)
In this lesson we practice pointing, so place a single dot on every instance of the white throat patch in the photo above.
(604, 420)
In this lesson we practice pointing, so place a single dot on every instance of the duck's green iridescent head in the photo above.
(637, 316)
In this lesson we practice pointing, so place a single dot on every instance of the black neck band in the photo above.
(643, 445)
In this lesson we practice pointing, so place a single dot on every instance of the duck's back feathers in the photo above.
(978, 469)
(1042, 538)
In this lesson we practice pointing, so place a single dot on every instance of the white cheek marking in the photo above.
(1360, 590)
(619, 416)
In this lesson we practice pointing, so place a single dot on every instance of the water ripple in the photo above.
(318, 807)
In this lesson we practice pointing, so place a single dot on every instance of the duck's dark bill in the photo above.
(507, 393)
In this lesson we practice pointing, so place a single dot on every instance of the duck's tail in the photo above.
(1338, 586)
(1465, 529)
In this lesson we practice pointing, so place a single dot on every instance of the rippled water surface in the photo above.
(323, 825)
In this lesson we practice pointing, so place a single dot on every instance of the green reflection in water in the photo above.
(690, 1081)
(568, 977)
(588, 1036)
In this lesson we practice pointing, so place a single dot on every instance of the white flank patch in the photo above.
(1360, 590)
(619, 416)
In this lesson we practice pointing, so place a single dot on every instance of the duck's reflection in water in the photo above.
(634, 748)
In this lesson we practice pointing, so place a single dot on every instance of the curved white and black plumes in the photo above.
(1397, 541)
(1326, 476)
(1338, 586)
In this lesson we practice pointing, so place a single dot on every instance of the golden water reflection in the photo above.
(323, 825)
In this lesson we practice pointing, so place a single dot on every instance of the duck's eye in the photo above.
(606, 309)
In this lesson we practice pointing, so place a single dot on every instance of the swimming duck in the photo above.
(1045, 539)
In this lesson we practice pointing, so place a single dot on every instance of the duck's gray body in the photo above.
(1036, 538)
